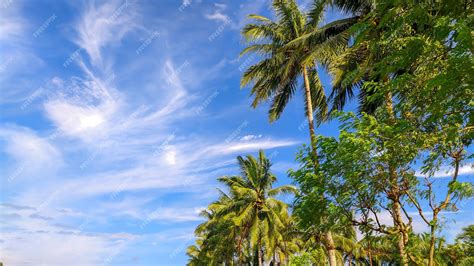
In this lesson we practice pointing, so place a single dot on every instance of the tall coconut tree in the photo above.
(345, 65)
(284, 63)
(253, 207)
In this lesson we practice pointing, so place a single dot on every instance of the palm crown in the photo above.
(248, 215)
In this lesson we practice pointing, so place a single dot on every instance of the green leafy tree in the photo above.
(355, 178)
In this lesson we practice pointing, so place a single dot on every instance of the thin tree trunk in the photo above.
(370, 258)
(444, 204)
(389, 105)
(395, 193)
(397, 219)
(260, 260)
(397, 215)
(432, 240)
(331, 248)
(309, 115)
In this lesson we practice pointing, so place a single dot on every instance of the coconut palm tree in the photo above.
(323, 45)
(285, 62)
(253, 208)
(215, 237)
(290, 243)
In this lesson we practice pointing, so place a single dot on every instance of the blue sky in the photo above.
(116, 119)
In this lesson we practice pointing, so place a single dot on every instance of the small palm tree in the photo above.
(215, 237)
(253, 208)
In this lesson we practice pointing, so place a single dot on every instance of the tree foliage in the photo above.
(410, 65)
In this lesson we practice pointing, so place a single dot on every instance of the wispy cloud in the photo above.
(103, 25)
(32, 237)
(253, 145)
(12, 25)
(32, 153)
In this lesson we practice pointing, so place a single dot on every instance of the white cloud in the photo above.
(93, 110)
(252, 146)
(32, 153)
(170, 157)
(250, 137)
(72, 118)
(447, 172)
(103, 25)
(218, 14)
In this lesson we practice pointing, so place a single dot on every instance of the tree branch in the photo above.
(418, 207)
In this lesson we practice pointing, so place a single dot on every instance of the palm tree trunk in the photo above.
(239, 246)
(259, 252)
(309, 115)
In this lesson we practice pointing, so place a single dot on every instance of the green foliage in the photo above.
(316, 257)
(410, 64)
(465, 241)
